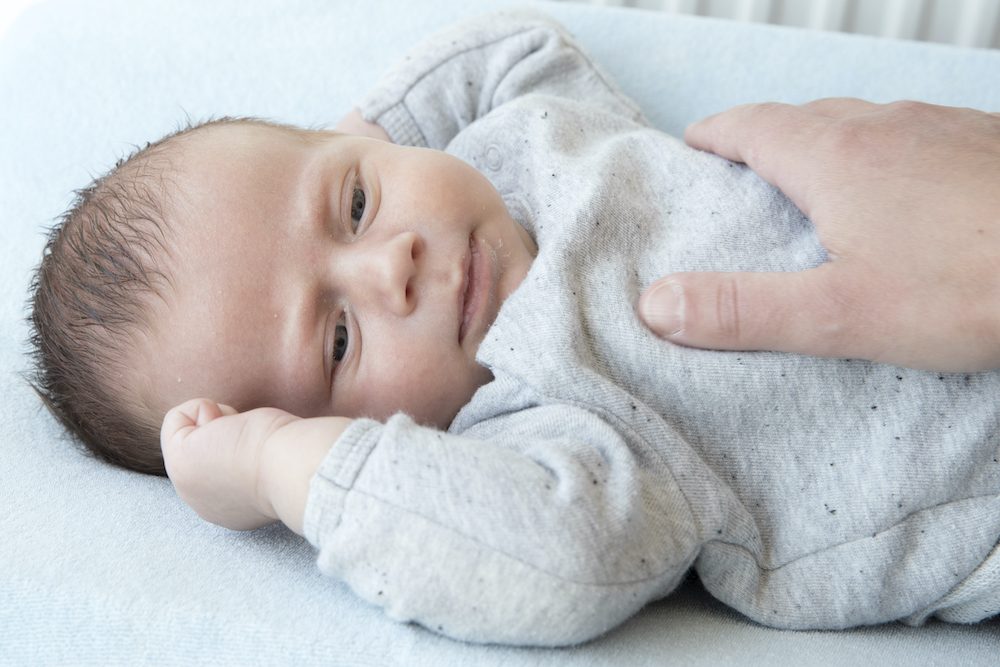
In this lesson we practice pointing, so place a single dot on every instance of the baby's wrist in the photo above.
(290, 458)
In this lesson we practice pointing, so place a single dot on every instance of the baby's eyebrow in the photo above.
(313, 195)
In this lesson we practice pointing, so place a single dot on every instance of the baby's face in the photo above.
(329, 275)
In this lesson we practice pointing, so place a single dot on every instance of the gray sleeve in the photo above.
(463, 72)
(551, 540)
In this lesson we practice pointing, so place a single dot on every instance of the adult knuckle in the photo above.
(912, 108)
(908, 115)
(727, 311)
(859, 135)
(766, 108)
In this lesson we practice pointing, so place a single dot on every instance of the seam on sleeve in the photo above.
(399, 124)
(676, 566)
(347, 456)
(398, 116)
(598, 70)
(336, 475)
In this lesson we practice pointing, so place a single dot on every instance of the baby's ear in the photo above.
(353, 123)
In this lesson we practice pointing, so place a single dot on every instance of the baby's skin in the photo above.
(245, 470)
(316, 277)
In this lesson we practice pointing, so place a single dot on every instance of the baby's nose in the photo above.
(393, 272)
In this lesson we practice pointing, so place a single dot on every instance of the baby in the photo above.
(428, 362)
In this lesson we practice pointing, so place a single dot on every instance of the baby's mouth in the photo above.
(476, 279)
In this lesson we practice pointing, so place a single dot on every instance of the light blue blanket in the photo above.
(100, 566)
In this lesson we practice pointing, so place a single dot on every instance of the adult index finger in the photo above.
(775, 140)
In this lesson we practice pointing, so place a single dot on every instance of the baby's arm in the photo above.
(462, 73)
(245, 470)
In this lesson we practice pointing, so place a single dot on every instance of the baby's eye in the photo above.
(357, 208)
(340, 340)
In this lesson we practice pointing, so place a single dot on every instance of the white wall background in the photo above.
(962, 22)
(973, 23)
(9, 9)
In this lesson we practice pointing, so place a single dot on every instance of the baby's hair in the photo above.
(103, 267)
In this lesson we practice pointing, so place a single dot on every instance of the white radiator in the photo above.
(961, 22)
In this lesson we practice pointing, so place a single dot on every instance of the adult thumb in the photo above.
(744, 311)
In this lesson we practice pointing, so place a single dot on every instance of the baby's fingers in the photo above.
(190, 415)
(177, 419)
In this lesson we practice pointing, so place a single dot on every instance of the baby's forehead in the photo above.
(224, 176)
(248, 135)
(213, 158)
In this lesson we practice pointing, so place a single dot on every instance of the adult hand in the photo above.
(906, 200)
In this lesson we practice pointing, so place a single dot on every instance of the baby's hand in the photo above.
(213, 456)
(354, 123)
(245, 470)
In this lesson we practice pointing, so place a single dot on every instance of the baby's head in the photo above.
(263, 265)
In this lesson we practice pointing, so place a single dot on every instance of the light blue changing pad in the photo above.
(105, 567)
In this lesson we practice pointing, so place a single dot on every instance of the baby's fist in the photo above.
(212, 454)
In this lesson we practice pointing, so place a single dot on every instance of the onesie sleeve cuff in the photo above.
(328, 488)
(397, 122)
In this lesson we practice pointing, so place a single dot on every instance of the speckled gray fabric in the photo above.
(601, 463)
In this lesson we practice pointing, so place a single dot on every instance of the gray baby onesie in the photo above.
(602, 463)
